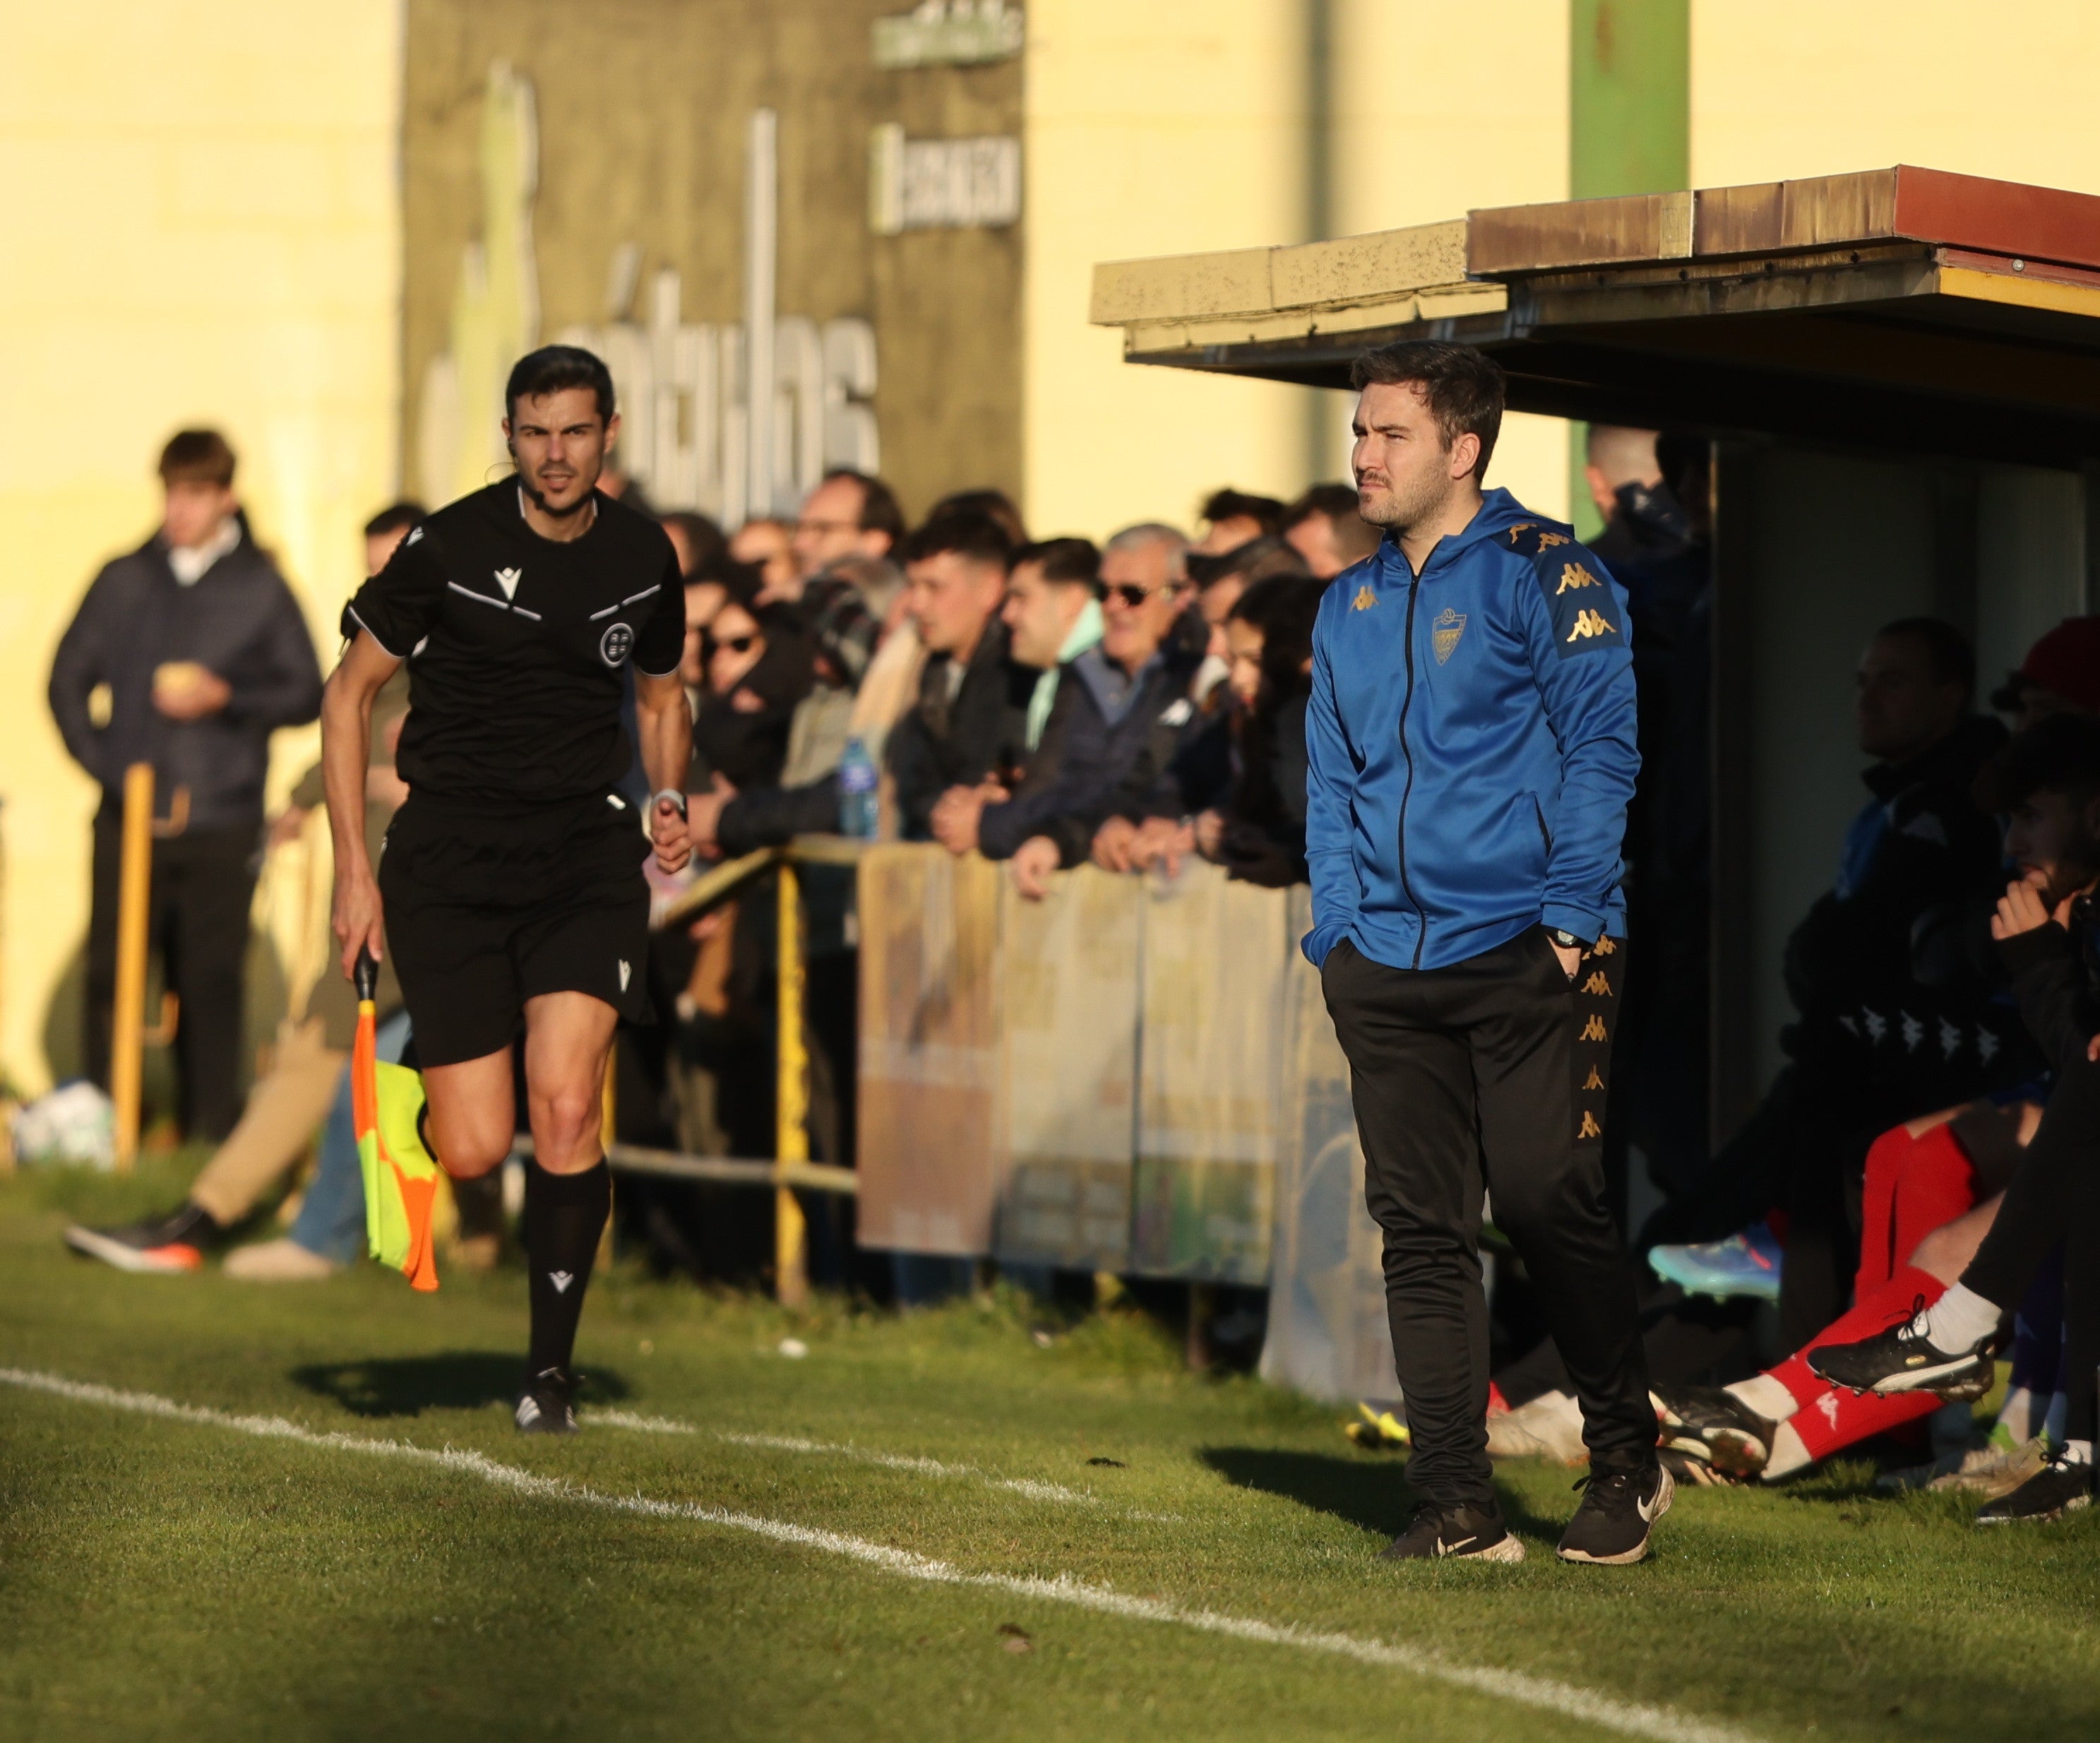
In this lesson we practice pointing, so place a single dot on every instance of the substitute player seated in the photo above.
(511, 887)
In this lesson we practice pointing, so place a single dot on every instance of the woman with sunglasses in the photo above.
(755, 667)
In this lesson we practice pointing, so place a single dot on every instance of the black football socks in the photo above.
(564, 1216)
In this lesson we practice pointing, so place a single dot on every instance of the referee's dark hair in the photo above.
(880, 511)
(977, 537)
(552, 369)
(395, 518)
(1462, 384)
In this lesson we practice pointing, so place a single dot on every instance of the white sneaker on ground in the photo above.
(284, 1261)
(1548, 1426)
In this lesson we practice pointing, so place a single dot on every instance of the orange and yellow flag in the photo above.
(401, 1177)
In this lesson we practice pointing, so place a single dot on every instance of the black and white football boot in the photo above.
(546, 1405)
(1710, 1423)
(1904, 1359)
(2063, 1485)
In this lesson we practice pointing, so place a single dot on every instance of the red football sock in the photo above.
(1835, 1420)
(1875, 1311)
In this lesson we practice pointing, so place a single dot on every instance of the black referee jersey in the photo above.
(515, 689)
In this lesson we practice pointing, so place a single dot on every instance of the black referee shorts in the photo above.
(486, 909)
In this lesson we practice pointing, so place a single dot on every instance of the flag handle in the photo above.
(366, 976)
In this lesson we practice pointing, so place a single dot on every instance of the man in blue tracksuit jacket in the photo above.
(1471, 746)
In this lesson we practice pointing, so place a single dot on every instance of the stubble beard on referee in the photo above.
(552, 511)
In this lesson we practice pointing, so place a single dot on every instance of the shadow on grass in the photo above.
(460, 1379)
(1371, 1494)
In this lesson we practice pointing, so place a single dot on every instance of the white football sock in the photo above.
(1961, 1320)
(2020, 1415)
(1788, 1454)
(1766, 1394)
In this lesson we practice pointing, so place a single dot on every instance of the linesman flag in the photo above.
(401, 1178)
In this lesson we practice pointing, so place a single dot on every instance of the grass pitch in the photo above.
(932, 1526)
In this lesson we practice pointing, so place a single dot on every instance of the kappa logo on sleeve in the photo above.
(1579, 598)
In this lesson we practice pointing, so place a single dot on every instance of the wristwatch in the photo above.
(1565, 939)
(676, 798)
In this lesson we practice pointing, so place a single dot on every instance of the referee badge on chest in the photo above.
(615, 644)
(1445, 630)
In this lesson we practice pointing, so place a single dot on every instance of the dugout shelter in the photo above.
(1899, 370)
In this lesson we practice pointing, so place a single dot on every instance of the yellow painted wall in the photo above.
(1803, 87)
(202, 226)
(1152, 129)
(1431, 121)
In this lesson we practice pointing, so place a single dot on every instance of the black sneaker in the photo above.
(1463, 1534)
(166, 1244)
(2062, 1486)
(1611, 1526)
(1904, 1359)
(545, 1406)
(1711, 1423)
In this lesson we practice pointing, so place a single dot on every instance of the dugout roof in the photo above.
(1902, 309)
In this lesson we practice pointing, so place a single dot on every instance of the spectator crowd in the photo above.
(1046, 702)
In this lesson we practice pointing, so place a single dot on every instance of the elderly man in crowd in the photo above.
(1119, 704)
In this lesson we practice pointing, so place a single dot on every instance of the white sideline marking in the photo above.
(1034, 1489)
(1633, 1718)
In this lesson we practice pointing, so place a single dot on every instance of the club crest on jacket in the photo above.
(1444, 630)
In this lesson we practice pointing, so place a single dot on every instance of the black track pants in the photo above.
(2054, 1195)
(203, 883)
(1492, 1074)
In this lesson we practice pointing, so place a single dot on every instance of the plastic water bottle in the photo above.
(858, 809)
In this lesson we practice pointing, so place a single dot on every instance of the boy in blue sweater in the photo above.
(1470, 749)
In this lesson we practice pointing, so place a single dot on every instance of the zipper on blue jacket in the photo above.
(1407, 789)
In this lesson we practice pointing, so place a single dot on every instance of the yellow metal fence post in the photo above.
(791, 1104)
(134, 884)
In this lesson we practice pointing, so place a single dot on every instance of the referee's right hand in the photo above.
(356, 919)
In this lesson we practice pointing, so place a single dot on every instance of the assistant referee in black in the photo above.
(510, 885)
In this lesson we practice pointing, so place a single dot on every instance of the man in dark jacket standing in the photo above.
(1470, 744)
(205, 655)
(970, 723)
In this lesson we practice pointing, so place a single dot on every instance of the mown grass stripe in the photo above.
(1631, 1719)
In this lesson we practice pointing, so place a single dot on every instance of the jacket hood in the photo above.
(1498, 512)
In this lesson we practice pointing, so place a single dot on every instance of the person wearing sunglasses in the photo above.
(755, 669)
(1121, 704)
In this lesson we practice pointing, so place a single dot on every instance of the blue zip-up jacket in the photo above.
(1470, 745)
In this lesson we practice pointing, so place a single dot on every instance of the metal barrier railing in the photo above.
(790, 1168)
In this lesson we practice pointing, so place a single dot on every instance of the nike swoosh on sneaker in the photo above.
(1647, 1509)
(1452, 1549)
